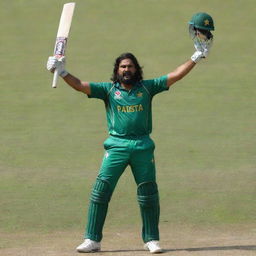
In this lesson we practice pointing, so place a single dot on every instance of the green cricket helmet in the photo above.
(201, 25)
(202, 20)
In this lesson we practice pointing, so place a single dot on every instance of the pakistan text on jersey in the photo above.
(132, 108)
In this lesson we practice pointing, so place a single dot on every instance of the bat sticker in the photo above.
(60, 46)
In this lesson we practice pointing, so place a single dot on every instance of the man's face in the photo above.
(126, 71)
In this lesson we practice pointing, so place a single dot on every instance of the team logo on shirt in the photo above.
(139, 94)
(118, 95)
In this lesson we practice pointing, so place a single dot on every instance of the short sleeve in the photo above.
(99, 90)
(156, 85)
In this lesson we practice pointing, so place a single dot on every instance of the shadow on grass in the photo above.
(217, 248)
(210, 248)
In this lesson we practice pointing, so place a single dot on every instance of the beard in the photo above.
(127, 78)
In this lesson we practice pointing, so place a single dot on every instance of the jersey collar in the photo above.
(135, 86)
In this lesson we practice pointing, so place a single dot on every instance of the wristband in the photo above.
(63, 73)
(197, 56)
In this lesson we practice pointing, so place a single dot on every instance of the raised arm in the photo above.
(202, 51)
(77, 84)
(180, 72)
(71, 80)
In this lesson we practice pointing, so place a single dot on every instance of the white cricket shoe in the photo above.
(89, 246)
(153, 246)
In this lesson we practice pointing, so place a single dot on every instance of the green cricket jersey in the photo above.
(129, 113)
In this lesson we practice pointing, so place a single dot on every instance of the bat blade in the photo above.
(62, 35)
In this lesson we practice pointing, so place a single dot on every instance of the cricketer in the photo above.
(128, 101)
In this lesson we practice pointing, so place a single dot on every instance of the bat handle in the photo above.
(55, 78)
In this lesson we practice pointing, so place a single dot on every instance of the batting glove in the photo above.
(197, 56)
(53, 63)
(202, 49)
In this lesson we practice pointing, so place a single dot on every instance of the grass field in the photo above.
(204, 127)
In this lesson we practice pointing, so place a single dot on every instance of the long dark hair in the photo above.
(127, 55)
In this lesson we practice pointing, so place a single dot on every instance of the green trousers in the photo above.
(120, 152)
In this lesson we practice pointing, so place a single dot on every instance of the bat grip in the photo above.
(55, 78)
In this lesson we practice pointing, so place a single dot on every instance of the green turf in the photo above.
(204, 128)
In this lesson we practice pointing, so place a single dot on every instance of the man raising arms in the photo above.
(128, 100)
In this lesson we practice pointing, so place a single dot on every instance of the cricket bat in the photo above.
(62, 35)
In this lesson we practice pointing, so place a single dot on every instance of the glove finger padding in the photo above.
(198, 44)
(208, 46)
(51, 63)
(203, 45)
